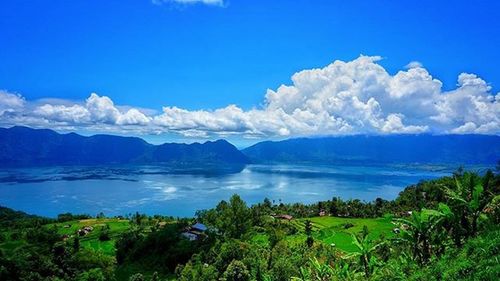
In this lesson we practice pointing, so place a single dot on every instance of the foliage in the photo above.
(236, 271)
(443, 229)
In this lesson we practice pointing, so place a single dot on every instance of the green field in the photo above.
(331, 230)
(91, 240)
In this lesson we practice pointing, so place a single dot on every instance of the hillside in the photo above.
(22, 146)
(417, 236)
(430, 149)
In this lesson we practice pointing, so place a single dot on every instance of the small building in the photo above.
(84, 231)
(404, 214)
(199, 226)
(283, 217)
(195, 232)
(322, 213)
(189, 236)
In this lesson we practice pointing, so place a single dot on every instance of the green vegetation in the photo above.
(333, 230)
(444, 229)
(114, 228)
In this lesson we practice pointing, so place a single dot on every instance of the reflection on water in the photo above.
(182, 191)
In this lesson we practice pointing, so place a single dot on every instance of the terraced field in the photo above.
(115, 228)
(334, 230)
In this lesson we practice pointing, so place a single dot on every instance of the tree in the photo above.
(76, 243)
(316, 272)
(136, 277)
(467, 201)
(308, 230)
(236, 271)
(233, 218)
(365, 249)
(196, 270)
(267, 204)
(104, 235)
(379, 207)
(334, 206)
(421, 227)
(94, 274)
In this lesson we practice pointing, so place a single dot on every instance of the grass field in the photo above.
(91, 240)
(331, 230)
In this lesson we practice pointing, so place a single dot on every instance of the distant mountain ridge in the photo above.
(23, 146)
(359, 149)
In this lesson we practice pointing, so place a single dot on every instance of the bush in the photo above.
(236, 271)
(136, 277)
(104, 236)
(91, 275)
(347, 225)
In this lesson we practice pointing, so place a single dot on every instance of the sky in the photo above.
(193, 70)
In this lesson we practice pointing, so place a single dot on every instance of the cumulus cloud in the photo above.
(10, 102)
(353, 97)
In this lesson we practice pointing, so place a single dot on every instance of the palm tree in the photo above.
(317, 271)
(365, 249)
(468, 201)
(420, 230)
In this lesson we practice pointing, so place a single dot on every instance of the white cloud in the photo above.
(10, 102)
(188, 2)
(414, 64)
(97, 111)
(394, 124)
(354, 97)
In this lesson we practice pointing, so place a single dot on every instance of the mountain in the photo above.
(432, 149)
(22, 146)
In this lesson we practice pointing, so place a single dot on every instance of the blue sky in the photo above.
(198, 56)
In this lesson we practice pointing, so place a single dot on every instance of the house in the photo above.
(404, 214)
(199, 226)
(283, 217)
(195, 231)
(84, 231)
(322, 213)
(189, 236)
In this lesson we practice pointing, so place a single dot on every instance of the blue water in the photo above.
(157, 190)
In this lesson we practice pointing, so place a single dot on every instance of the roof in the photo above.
(286, 217)
(199, 226)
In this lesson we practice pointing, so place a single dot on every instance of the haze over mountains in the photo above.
(22, 146)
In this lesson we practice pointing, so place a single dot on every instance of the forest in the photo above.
(442, 229)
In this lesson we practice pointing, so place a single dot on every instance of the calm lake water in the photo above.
(158, 190)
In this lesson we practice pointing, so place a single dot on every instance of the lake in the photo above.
(158, 190)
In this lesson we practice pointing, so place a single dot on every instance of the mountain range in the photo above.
(380, 149)
(23, 146)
